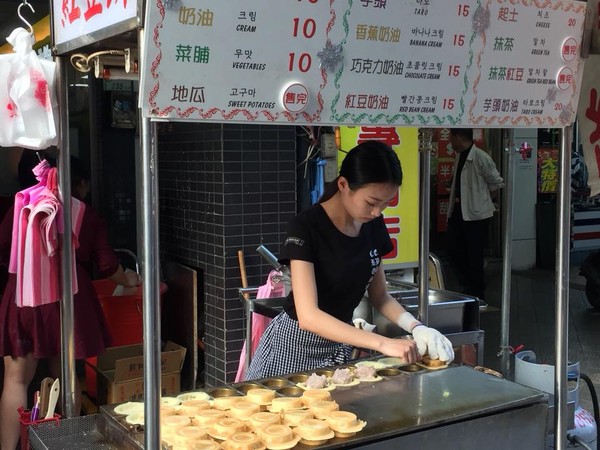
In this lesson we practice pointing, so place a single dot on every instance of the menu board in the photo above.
(428, 63)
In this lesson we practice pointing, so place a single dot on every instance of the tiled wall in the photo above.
(224, 188)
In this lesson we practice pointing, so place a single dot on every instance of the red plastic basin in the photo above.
(124, 318)
(123, 313)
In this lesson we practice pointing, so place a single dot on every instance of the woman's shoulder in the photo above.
(308, 225)
(311, 215)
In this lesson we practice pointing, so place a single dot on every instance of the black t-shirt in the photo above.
(344, 265)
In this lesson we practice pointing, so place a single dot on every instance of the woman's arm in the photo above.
(313, 319)
(428, 340)
(387, 305)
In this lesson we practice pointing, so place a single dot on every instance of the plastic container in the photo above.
(25, 421)
(123, 312)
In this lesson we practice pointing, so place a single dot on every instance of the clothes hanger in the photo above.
(23, 18)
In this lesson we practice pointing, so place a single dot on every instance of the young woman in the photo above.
(334, 250)
(28, 334)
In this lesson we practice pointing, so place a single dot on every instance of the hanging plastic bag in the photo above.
(27, 96)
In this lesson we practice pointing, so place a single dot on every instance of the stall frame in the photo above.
(149, 206)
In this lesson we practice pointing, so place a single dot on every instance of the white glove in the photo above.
(430, 341)
(363, 324)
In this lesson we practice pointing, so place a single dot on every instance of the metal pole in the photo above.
(67, 333)
(507, 253)
(151, 285)
(563, 236)
(425, 139)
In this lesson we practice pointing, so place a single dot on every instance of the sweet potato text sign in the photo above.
(493, 63)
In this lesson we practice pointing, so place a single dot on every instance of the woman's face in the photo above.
(369, 201)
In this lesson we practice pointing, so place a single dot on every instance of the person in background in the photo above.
(28, 334)
(334, 250)
(470, 208)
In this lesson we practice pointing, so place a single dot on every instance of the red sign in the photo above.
(442, 214)
(444, 176)
(444, 149)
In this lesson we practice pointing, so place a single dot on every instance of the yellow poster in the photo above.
(402, 217)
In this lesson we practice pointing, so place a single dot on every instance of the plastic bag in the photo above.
(27, 97)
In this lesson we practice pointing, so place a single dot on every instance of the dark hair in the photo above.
(30, 159)
(79, 172)
(368, 162)
(464, 132)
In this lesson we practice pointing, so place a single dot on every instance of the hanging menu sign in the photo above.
(429, 63)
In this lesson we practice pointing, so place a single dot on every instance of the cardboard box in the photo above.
(120, 372)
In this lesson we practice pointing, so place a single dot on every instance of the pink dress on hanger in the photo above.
(37, 229)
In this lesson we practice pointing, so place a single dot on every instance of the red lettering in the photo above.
(592, 112)
(392, 224)
(394, 252)
(389, 135)
(71, 13)
(109, 2)
(597, 153)
(92, 10)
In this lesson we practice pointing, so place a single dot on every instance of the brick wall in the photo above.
(224, 188)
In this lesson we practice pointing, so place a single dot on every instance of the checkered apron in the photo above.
(285, 348)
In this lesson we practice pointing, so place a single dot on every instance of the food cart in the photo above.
(321, 76)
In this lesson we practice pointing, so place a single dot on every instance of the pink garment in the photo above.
(37, 228)
(39, 280)
(22, 199)
(259, 322)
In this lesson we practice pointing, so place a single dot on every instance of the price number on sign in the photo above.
(309, 27)
(303, 28)
(303, 64)
(463, 10)
(453, 70)
(448, 103)
(459, 40)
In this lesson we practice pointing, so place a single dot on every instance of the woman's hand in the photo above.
(405, 349)
(125, 278)
(430, 341)
(131, 279)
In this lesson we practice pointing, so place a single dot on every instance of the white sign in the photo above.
(431, 63)
(588, 120)
(73, 19)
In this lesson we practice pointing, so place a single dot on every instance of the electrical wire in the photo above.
(577, 441)
(309, 155)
